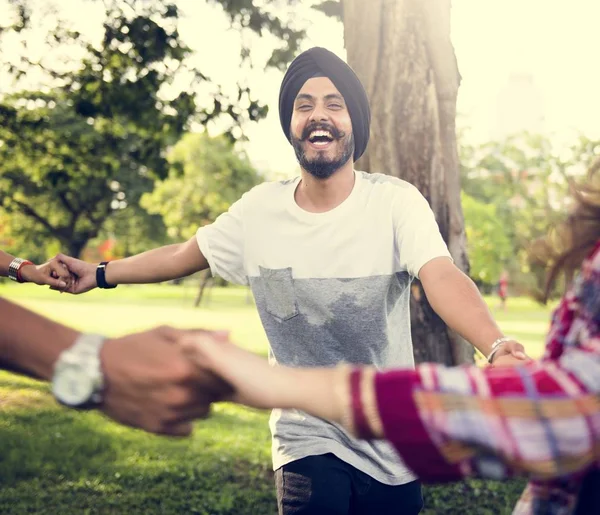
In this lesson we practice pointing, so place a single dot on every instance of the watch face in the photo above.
(72, 386)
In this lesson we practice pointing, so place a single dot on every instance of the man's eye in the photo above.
(304, 107)
(335, 106)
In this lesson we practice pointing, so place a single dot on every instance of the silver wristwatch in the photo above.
(78, 381)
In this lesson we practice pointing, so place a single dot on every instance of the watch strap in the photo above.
(101, 277)
(14, 269)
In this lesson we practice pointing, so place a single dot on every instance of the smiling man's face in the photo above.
(321, 128)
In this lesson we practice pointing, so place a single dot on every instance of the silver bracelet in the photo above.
(496, 346)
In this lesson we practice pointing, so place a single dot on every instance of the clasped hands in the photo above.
(163, 388)
(162, 379)
(63, 273)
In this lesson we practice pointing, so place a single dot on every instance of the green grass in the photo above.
(59, 461)
(54, 460)
(525, 320)
(134, 308)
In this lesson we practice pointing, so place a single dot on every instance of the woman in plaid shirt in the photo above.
(541, 419)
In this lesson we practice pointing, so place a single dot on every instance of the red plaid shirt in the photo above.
(542, 419)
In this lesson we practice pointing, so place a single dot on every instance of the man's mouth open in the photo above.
(320, 138)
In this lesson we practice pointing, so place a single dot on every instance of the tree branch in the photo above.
(63, 198)
(29, 211)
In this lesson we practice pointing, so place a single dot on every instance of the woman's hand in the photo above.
(254, 381)
(257, 384)
(51, 273)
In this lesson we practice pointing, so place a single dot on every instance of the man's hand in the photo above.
(51, 273)
(510, 354)
(152, 385)
(82, 274)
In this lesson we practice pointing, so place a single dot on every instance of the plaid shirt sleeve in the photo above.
(541, 419)
(448, 423)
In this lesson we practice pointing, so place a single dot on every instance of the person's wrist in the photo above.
(101, 279)
(499, 348)
(25, 271)
(63, 339)
(15, 268)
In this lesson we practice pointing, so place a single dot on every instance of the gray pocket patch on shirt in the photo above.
(280, 295)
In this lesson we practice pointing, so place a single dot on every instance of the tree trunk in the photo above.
(402, 52)
(75, 246)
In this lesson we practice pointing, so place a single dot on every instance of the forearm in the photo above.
(456, 299)
(314, 391)
(5, 260)
(157, 265)
(439, 431)
(30, 343)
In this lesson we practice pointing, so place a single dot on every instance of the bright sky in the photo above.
(525, 64)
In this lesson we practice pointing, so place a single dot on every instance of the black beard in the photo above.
(322, 168)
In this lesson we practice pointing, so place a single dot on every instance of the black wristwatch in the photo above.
(101, 277)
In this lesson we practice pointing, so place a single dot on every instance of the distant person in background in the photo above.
(503, 289)
(24, 271)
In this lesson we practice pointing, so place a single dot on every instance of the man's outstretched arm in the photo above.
(153, 266)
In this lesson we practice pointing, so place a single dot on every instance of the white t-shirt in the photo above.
(329, 287)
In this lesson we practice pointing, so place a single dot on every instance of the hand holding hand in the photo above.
(151, 384)
(51, 273)
(510, 354)
(257, 384)
(254, 382)
(82, 274)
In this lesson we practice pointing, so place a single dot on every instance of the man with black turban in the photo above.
(316, 63)
(330, 257)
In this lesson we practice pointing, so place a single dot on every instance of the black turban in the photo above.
(319, 62)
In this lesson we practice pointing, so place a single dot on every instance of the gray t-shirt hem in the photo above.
(349, 457)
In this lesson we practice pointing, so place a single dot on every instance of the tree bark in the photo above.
(402, 52)
(75, 246)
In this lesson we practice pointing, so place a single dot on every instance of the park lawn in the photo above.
(54, 460)
(139, 307)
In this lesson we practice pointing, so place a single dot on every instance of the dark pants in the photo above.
(589, 496)
(325, 485)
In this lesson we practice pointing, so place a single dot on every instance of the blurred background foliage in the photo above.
(107, 153)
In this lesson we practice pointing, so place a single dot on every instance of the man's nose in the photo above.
(319, 114)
